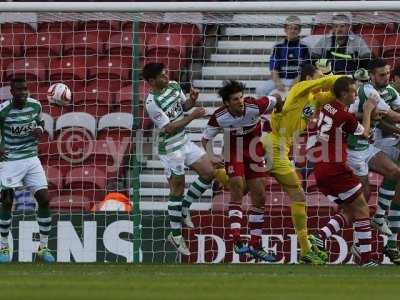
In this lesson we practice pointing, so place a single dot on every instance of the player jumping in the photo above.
(245, 165)
(165, 106)
(303, 99)
(334, 178)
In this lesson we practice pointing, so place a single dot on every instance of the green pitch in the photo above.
(219, 282)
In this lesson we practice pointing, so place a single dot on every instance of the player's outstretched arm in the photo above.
(368, 107)
(173, 127)
(389, 127)
(191, 100)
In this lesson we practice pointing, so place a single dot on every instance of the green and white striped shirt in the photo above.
(365, 92)
(16, 126)
(164, 108)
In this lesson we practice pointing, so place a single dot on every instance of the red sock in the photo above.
(256, 224)
(362, 230)
(335, 224)
(235, 221)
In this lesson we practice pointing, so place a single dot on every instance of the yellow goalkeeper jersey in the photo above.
(300, 104)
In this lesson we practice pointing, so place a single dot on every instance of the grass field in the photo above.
(100, 281)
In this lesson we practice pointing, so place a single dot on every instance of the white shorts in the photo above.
(26, 173)
(175, 162)
(389, 147)
(358, 160)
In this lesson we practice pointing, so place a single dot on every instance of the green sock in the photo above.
(5, 225)
(392, 241)
(175, 214)
(44, 221)
(385, 196)
(196, 189)
(394, 223)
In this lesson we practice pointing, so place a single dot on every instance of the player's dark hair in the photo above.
(307, 70)
(15, 80)
(375, 64)
(341, 18)
(396, 71)
(341, 85)
(152, 70)
(229, 88)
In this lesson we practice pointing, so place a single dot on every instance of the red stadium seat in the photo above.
(81, 43)
(38, 91)
(100, 25)
(43, 44)
(70, 203)
(322, 29)
(120, 43)
(16, 27)
(112, 68)
(391, 46)
(169, 49)
(12, 36)
(87, 181)
(3, 65)
(378, 31)
(374, 44)
(146, 30)
(70, 67)
(116, 126)
(108, 155)
(31, 69)
(124, 99)
(58, 27)
(77, 120)
(96, 99)
(166, 45)
(190, 32)
(11, 44)
(54, 180)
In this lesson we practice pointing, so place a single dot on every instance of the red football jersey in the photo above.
(242, 130)
(334, 123)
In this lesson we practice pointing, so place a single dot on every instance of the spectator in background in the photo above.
(396, 78)
(347, 51)
(286, 59)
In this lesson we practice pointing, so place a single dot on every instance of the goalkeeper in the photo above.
(312, 91)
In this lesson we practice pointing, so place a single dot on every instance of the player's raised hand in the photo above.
(279, 103)
(194, 94)
(37, 132)
(198, 112)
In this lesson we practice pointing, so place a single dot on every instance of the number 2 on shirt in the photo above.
(324, 125)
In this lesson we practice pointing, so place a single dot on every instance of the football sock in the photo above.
(235, 221)
(44, 221)
(299, 219)
(335, 224)
(5, 224)
(196, 189)
(362, 231)
(256, 224)
(175, 214)
(385, 196)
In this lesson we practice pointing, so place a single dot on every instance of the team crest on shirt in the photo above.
(158, 117)
(308, 112)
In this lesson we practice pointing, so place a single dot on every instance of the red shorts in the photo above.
(247, 166)
(337, 182)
